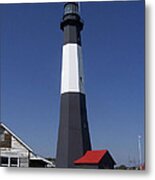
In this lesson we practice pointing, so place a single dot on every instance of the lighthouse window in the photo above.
(71, 8)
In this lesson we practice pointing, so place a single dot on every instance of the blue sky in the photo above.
(113, 56)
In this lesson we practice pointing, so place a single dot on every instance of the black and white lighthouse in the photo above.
(73, 133)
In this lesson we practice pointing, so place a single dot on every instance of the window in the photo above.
(5, 140)
(71, 8)
(2, 137)
(4, 161)
(13, 162)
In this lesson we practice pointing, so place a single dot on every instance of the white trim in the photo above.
(9, 164)
(18, 163)
(16, 137)
(43, 159)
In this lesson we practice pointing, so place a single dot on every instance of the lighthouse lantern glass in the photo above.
(71, 8)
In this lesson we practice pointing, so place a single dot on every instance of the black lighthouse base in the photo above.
(73, 137)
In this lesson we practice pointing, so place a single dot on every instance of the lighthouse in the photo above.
(73, 133)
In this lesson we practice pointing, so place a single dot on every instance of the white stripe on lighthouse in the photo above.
(72, 78)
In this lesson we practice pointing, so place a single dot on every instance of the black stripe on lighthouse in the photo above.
(73, 135)
(71, 24)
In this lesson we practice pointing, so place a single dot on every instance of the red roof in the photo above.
(91, 157)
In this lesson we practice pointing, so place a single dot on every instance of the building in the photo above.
(96, 159)
(15, 153)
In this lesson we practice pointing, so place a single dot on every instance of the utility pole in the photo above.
(140, 151)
